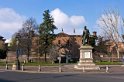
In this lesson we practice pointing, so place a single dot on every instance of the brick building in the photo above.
(67, 44)
(70, 44)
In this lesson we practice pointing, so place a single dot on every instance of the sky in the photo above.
(67, 14)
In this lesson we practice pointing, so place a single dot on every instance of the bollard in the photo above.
(60, 69)
(98, 68)
(22, 67)
(6, 66)
(83, 69)
(39, 68)
(24, 61)
(13, 67)
(107, 69)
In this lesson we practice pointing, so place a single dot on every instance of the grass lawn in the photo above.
(31, 64)
(41, 63)
(2, 63)
(56, 64)
(108, 63)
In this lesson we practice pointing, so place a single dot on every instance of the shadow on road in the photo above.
(67, 75)
(3, 80)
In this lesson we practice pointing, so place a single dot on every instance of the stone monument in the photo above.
(86, 57)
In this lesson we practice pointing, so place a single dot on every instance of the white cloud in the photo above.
(8, 40)
(68, 23)
(10, 22)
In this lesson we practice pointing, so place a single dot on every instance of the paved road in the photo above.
(59, 77)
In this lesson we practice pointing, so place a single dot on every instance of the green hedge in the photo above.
(108, 63)
(3, 54)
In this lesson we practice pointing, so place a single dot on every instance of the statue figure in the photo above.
(93, 38)
(85, 36)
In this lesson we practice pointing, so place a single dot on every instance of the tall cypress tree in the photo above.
(46, 33)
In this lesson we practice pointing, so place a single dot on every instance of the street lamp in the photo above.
(17, 52)
(38, 49)
(59, 58)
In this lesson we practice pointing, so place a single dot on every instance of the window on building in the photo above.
(59, 42)
(68, 42)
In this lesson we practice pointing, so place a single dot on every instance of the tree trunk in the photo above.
(28, 58)
(118, 54)
(117, 50)
(45, 59)
(39, 57)
(112, 56)
(28, 54)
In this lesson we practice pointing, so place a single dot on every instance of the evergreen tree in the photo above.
(46, 33)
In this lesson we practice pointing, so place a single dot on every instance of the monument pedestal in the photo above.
(86, 59)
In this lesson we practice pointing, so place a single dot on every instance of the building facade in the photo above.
(68, 44)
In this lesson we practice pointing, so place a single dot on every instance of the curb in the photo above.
(56, 72)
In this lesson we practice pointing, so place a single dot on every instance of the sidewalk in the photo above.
(68, 69)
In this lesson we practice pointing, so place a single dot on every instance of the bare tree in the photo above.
(26, 33)
(54, 53)
(110, 23)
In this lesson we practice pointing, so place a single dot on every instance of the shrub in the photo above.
(3, 54)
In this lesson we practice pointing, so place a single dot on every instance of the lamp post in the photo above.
(59, 58)
(17, 52)
(6, 48)
(38, 49)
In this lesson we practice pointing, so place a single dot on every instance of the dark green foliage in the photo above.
(46, 33)
(101, 47)
(3, 54)
(92, 40)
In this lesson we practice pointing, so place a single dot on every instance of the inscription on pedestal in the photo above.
(87, 55)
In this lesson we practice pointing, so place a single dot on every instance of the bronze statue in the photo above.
(85, 36)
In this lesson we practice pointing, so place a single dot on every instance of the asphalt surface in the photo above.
(9, 76)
